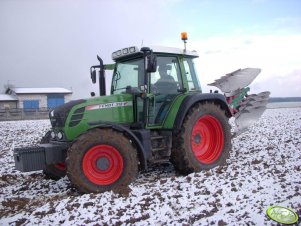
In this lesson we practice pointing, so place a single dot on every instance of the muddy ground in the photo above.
(264, 169)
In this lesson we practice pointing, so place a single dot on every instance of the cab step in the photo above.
(161, 146)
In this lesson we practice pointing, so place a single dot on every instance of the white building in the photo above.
(34, 98)
(8, 101)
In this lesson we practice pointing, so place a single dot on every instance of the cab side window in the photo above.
(191, 75)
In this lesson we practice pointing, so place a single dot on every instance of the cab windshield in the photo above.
(127, 75)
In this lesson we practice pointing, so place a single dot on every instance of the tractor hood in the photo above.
(59, 114)
(82, 115)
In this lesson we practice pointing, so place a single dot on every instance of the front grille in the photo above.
(77, 117)
(60, 113)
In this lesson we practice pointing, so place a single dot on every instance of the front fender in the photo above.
(144, 153)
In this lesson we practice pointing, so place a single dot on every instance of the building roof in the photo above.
(40, 90)
(6, 97)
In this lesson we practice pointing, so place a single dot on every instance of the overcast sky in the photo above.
(54, 43)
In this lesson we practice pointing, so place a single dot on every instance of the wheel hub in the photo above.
(207, 139)
(197, 138)
(103, 163)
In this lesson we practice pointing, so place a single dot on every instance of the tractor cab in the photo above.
(155, 77)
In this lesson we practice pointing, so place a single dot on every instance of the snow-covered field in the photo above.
(264, 169)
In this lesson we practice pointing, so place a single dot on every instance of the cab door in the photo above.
(164, 87)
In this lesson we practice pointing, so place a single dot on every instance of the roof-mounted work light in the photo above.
(184, 38)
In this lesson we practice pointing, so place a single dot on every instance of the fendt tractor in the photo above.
(156, 113)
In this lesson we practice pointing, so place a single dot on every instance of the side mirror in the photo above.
(151, 65)
(93, 76)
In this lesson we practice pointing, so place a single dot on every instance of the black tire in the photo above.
(101, 160)
(193, 148)
(54, 171)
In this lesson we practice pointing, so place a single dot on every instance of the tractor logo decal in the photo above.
(109, 105)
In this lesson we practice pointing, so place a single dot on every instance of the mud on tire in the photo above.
(204, 140)
(101, 160)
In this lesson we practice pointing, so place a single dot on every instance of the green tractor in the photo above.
(155, 113)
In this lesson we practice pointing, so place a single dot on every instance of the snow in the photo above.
(40, 90)
(264, 169)
(5, 97)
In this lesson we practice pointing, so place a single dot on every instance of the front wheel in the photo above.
(101, 160)
(204, 141)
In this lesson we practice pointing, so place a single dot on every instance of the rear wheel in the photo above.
(102, 160)
(204, 141)
(54, 171)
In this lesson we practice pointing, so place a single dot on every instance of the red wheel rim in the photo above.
(102, 164)
(207, 139)
(60, 166)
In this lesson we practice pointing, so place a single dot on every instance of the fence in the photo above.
(23, 114)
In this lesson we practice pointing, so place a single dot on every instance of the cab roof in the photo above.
(135, 51)
(171, 50)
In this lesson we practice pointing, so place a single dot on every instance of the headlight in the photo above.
(60, 135)
(52, 134)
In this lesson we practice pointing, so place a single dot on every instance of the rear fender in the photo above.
(191, 100)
